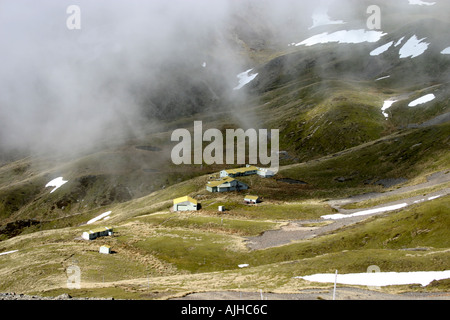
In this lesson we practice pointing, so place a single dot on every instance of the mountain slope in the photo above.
(339, 139)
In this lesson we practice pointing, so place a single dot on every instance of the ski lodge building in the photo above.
(96, 233)
(246, 171)
(225, 185)
(185, 203)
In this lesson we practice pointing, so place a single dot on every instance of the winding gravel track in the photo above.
(298, 230)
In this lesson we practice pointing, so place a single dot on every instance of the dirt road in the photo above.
(300, 230)
(342, 293)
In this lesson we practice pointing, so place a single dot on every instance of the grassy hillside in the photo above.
(326, 102)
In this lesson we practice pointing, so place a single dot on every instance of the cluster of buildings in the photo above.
(97, 233)
(227, 182)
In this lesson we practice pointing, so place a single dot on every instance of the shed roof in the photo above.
(219, 182)
(241, 170)
(100, 229)
(184, 199)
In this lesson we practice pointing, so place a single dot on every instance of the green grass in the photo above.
(275, 211)
(378, 242)
(320, 109)
(193, 251)
(421, 225)
(220, 224)
(394, 197)
(415, 153)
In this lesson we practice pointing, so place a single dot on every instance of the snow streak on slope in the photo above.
(382, 78)
(58, 182)
(245, 78)
(381, 49)
(387, 104)
(8, 252)
(343, 36)
(338, 216)
(421, 3)
(422, 100)
(399, 42)
(379, 279)
(413, 48)
(103, 215)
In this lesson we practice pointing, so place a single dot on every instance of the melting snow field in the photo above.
(446, 51)
(8, 252)
(429, 198)
(422, 100)
(387, 104)
(421, 3)
(343, 36)
(381, 49)
(380, 279)
(365, 212)
(244, 78)
(58, 182)
(103, 215)
(413, 48)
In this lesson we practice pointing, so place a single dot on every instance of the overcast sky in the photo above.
(70, 88)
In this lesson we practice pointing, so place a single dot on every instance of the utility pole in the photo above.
(334, 289)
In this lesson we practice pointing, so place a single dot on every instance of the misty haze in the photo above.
(354, 98)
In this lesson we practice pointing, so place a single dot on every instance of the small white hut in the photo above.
(265, 173)
(249, 199)
(105, 250)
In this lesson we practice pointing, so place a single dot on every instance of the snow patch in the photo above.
(446, 51)
(387, 104)
(343, 36)
(56, 183)
(399, 42)
(103, 215)
(382, 78)
(380, 279)
(413, 48)
(338, 216)
(244, 78)
(381, 49)
(421, 3)
(422, 100)
(8, 252)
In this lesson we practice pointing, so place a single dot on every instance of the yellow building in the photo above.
(185, 203)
